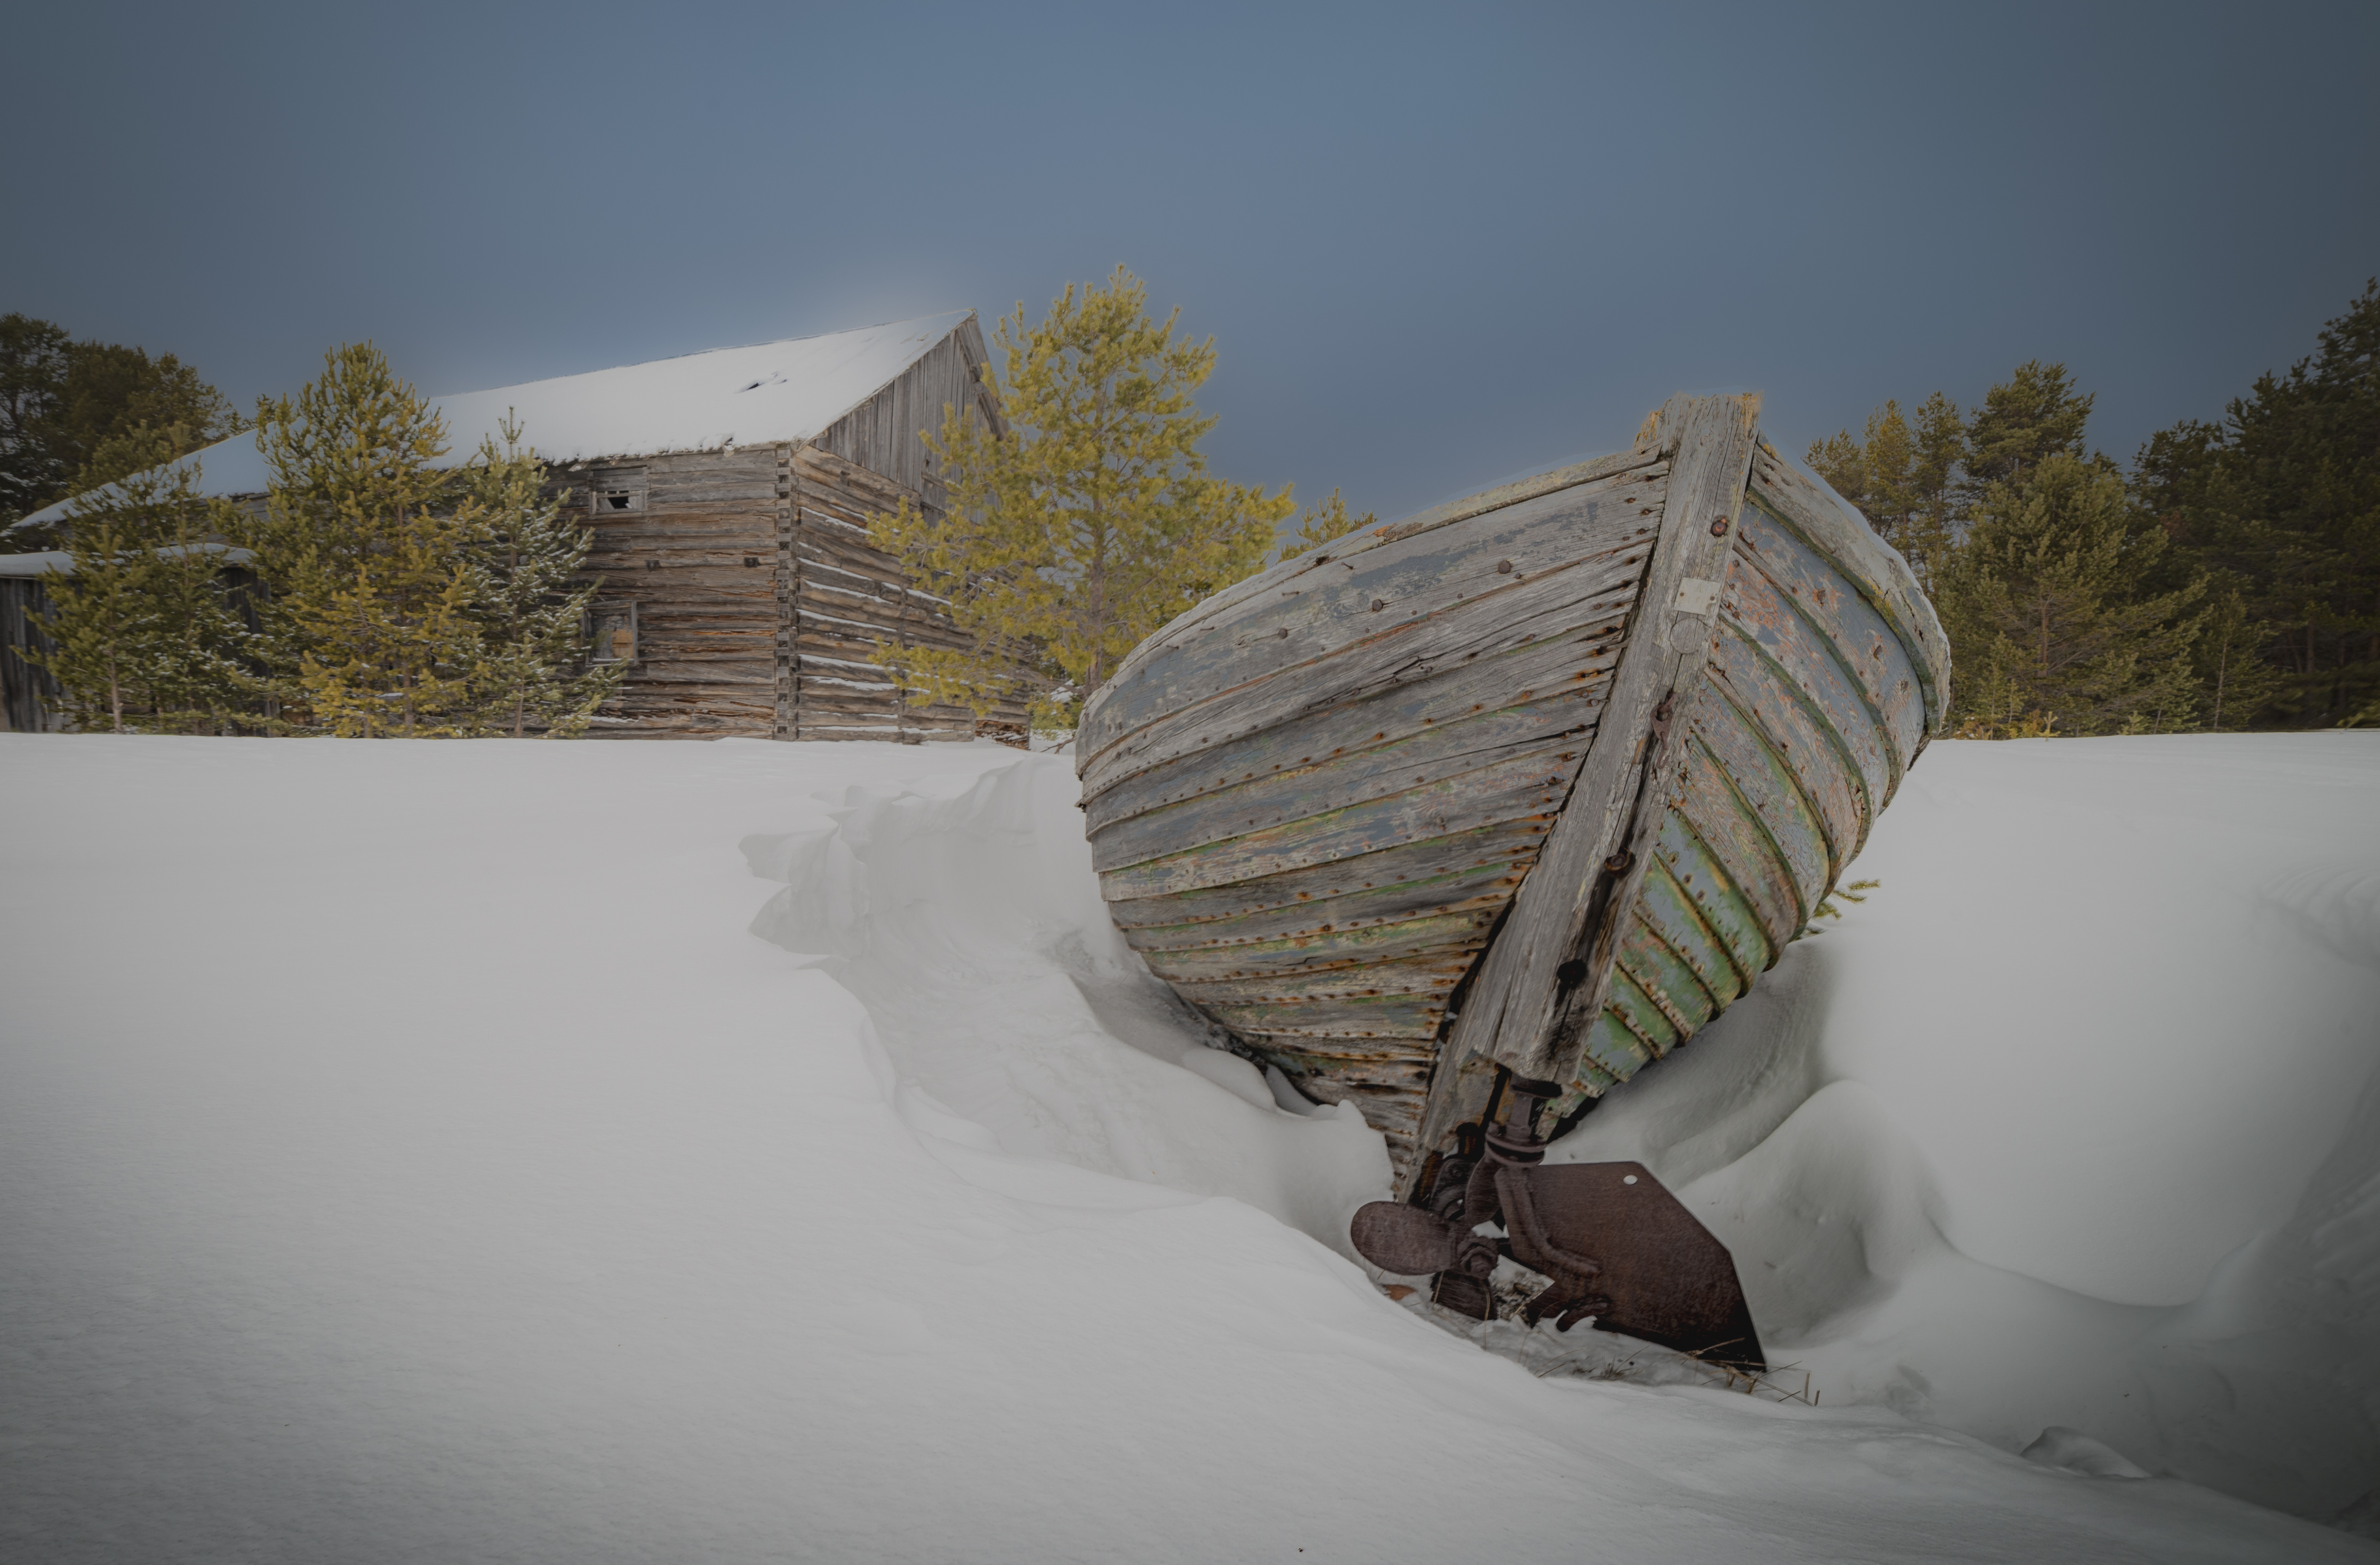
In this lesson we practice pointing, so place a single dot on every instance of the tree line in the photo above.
(395, 593)
(2228, 580)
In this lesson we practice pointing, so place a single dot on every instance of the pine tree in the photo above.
(1091, 525)
(33, 379)
(2031, 417)
(144, 637)
(1936, 460)
(1841, 460)
(2045, 617)
(62, 402)
(529, 676)
(2281, 501)
(1900, 478)
(369, 627)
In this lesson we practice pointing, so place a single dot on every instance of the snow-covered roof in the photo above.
(61, 563)
(789, 390)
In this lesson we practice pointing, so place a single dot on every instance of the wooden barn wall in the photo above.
(881, 434)
(698, 559)
(759, 597)
(852, 595)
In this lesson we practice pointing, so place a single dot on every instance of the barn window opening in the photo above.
(616, 488)
(612, 632)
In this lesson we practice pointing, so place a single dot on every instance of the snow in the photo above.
(61, 561)
(779, 390)
(581, 1152)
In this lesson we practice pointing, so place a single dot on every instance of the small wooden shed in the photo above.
(728, 493)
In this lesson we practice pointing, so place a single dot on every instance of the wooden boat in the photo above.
(1522, 790)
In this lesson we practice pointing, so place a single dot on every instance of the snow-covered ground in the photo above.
(452, 1152)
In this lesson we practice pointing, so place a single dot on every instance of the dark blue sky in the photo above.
(1435, 246)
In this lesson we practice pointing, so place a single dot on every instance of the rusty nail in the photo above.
(1718, 526)
(1503, 567)
(1620, 862)
(1282, 633)
(1377, 604)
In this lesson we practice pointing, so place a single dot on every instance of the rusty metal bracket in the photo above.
(1620, 1248)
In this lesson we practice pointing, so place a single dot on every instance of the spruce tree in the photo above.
(2031, 417)
(1936, 467)
(2281, 501)
(1900, 478)
(530, 673)
(1090, 525)
(2045, 619)
(144, 637)
(32, 379)
(62, 404)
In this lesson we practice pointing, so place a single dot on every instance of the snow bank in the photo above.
(2075, 1121)
(406, 1151)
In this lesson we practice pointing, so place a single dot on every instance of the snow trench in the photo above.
(1807, 1127)
(971, 929)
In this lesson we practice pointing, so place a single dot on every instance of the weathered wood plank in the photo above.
(1863, 643)
(1357, 599)
(1528, 788)
(1665, 977)
(1488, 846)
(1387, 1015)
(1545, 671)
(1289, 572)
(1513, 1012)
(1557, 729)
(1703, 881)
(1791, 643)
(1702, 795)
(1427, 973)
(1795, 729)
(1767, 789)
(1553, 605)
(1463, 931)
(1472, 885)
(1842, 535)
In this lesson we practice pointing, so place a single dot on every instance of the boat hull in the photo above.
(1538, 782)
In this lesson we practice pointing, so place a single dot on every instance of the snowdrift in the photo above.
(408, 1151)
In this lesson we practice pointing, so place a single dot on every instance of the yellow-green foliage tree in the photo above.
(369, 627)
(1090, 525)
(143, 637)
(1321, 524)
(411, 598)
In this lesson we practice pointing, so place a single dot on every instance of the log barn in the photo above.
(728, 493)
